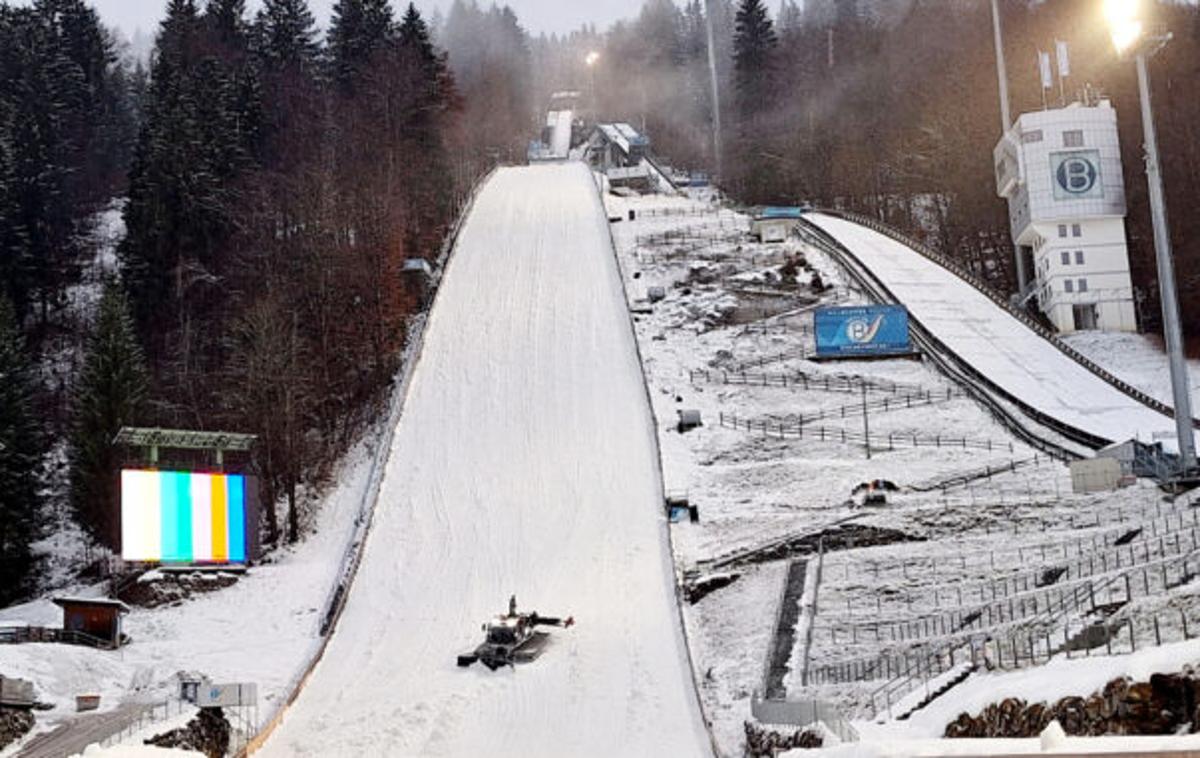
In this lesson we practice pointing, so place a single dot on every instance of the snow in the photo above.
(138, 751)
(1138, 359)
(560, 139)
(920, 735)
(1002, 348)
(262, 629)
(525, 464)
(754, 491)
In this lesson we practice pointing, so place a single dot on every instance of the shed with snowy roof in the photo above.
(97, 618)
(775, 224)
(616, 146)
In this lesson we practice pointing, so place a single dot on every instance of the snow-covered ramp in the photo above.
(525, 463)
(1010, 354)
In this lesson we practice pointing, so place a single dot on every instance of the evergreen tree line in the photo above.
(891, 108)
(276, 184)
(67, 121)
(68, 117)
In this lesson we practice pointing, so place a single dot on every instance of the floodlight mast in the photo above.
(1128, 35)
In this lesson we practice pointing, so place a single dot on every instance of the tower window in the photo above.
(1073, 138)
(1079, 257)
(1062, 230)
(1083, 285)
(1066, 258)
(1069, 285)
(1076, 230)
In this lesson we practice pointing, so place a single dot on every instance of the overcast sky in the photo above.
(536, 15)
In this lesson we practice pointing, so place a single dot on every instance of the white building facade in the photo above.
(1060, 171)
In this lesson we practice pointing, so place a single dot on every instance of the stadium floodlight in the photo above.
(1124, 23)
(1127, 25)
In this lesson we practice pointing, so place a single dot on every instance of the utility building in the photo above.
(1060, 171)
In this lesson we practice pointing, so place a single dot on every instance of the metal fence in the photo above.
(1022, 648)
(1032, 641)
(878, 405)
(17, 635)
(801, 380)
(875, 442)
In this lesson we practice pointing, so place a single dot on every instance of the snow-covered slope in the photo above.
(526, 464)
(999, 346)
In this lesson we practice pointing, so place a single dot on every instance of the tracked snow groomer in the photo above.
(513, 638)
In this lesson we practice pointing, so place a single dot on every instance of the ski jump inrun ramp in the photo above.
(525, 462)
(1006, 351)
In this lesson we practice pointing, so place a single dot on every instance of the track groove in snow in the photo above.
(525, 463)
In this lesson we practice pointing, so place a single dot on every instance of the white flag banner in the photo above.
(1047, 72)
(1064, 59)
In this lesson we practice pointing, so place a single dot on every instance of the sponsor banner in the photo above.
(226, 695)
(865, 330)
(183, 517)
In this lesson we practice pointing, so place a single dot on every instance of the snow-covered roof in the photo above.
(623, 136)
(778, 212)
(103, 602)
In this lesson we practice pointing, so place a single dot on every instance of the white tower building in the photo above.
(1060, 171)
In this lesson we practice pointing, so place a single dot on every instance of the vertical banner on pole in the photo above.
(1064, 58)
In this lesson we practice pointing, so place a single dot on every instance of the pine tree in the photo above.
(21, 452)
(358, 30)
(754, 44)
(228, 20)
(112, 392)
(287, 33)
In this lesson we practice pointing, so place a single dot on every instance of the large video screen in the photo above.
(183, 517)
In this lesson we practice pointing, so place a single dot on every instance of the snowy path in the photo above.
(525, 463)
(1000, 347)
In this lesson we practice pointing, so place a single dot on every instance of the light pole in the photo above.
(1001, 69)
(591, 60)
(716, 94)
(1125, 22)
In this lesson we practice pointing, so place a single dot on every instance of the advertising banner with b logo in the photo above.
(1076, 175)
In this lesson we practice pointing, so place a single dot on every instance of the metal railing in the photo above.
(877, 441)
(18, 635)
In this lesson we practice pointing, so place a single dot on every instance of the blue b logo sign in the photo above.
(1077, 175)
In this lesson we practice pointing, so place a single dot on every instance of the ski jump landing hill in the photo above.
(525, 462)
(1008, 359)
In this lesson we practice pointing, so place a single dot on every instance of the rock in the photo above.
(208, 733)
(15, 723)
(1166, 704)
(764, 741)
